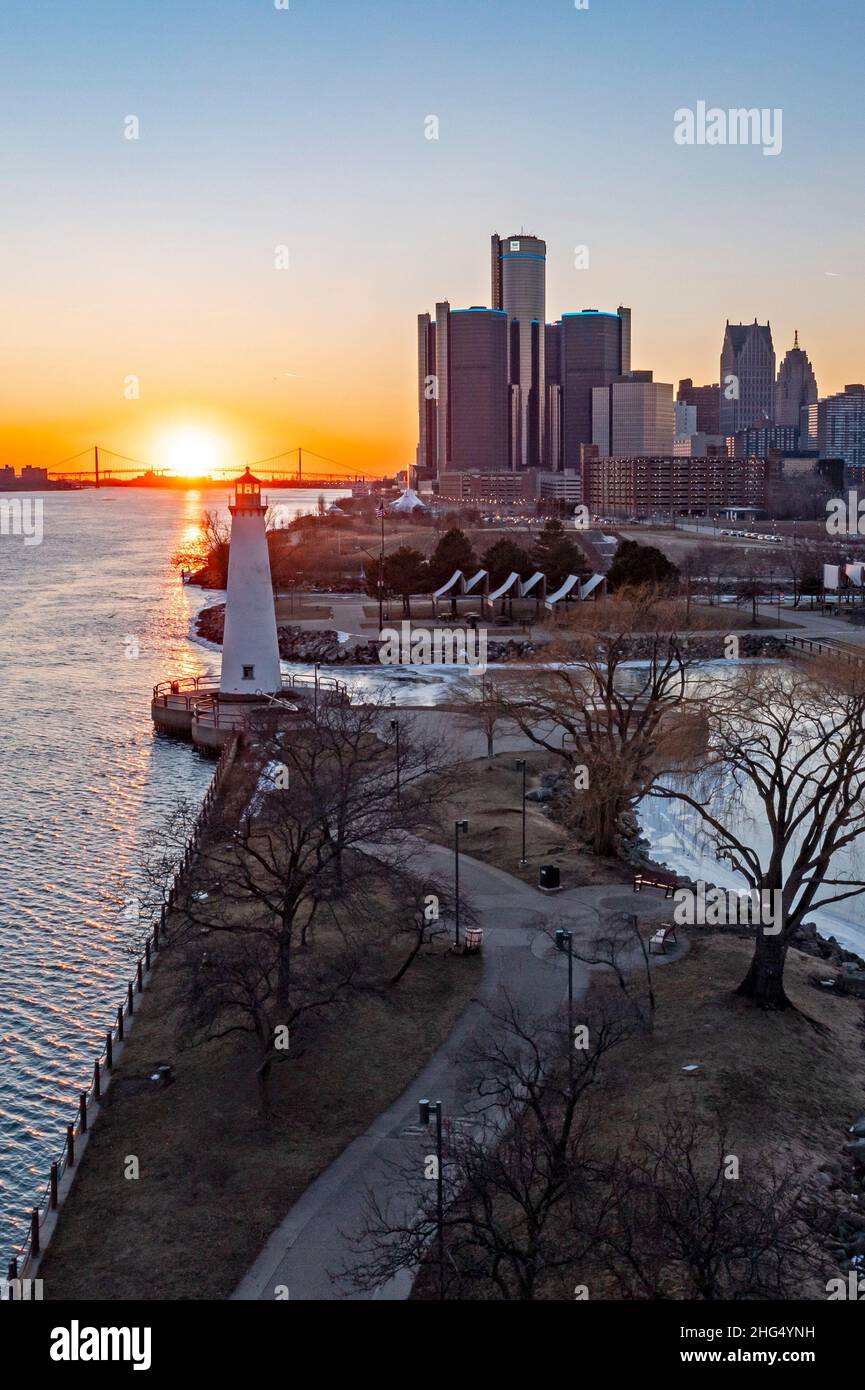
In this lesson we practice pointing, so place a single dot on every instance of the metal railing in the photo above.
(179, 686)
(49, 1202)
(814, 647)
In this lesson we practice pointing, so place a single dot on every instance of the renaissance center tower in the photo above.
(519, 266)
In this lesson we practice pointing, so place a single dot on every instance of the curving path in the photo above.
(311, 1243)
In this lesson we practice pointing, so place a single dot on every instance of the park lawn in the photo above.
(215, 1178)
(490, 797)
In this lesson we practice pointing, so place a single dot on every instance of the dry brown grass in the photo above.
(215, 1178)
(489, 798)
(779, 1081)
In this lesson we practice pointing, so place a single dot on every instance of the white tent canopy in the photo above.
(408, 502)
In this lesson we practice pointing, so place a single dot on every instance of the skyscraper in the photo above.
(585, 350)
(478, 397)
(796, 387)
(463, 390)
(842, 426)
(747, 392)
(427, 386)
(518, 287)
(625, 316)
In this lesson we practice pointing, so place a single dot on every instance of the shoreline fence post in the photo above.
(53, 1186)
(70, 1145)
(130, 1001)
(82, 1111)
(109, 1050)
(34, 1231)
(120, 1024)
(97, 1080)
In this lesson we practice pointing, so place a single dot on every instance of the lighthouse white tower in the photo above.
(250, 648)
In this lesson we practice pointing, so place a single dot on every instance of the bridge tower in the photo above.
(250, 647)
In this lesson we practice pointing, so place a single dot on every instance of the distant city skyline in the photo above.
(155, 264)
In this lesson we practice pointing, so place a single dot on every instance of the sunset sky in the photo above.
(305, 127)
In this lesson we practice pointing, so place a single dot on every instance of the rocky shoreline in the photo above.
(300, 644)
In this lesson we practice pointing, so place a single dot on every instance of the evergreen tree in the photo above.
(406, 572)
(453, 552)
(557, 555)
(503, 558)
(636, 564)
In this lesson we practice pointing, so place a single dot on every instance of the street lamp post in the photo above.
(459, 825)
(381, 572)
(424, 1108)
(394, 724)
(565, 942)
(521, 764)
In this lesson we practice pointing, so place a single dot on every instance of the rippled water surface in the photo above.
(89, 621)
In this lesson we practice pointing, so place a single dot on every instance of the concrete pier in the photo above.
(193, 709)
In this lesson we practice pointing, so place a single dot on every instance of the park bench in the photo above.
(659, 939)
(655, 878)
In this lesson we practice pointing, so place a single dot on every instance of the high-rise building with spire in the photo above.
(796, 387)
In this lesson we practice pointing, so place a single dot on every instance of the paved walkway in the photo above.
(312, 1242)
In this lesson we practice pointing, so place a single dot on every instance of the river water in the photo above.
(90, 620)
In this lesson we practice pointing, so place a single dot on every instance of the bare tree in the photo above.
(481, 701)
(786, 753)
(617, 726)
(293, 890)
(516, 1179)
(713, 563)
(753, 572)
(690, 1218)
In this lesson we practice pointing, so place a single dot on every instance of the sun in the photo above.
(193, 452)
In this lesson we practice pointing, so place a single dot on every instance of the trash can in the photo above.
(549, 878)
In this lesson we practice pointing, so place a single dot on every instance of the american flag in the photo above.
(381, 509)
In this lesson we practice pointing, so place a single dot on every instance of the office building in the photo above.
(463, 391)
(700, 445)
(625, 316)
(501, 486)
(686, 419)
(428, 397)
(760, 443)
(585, 350)
(478, 390)
(747, 391)
(518, 287)
(707, 402)
(633, 416)
(841, 426)
(563, 485)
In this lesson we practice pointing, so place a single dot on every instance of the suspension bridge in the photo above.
(295, 468)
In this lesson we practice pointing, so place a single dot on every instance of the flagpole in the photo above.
(381, 572)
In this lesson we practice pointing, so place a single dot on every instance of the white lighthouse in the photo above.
(250, 647)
